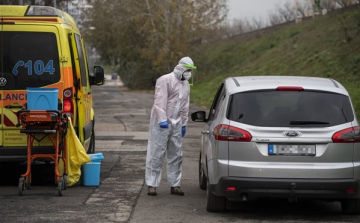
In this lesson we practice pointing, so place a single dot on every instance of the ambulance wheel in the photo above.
(91, 149)
(21, 186)
(60, 186)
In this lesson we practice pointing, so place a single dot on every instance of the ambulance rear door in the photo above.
(30, 58)
(1, 82)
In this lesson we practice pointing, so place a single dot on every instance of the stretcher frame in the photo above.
(52, 124)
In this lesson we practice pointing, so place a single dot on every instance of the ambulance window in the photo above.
(81, 60)
(31, 59)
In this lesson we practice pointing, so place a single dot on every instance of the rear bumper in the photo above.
(254, 188)
(19, 154)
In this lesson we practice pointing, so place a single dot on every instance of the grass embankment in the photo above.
(316, 47)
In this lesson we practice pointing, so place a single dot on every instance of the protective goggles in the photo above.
(189, 66)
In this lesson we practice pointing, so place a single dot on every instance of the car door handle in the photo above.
(205, 132)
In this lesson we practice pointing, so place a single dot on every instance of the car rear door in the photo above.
(30, 58)
(291, 138)
(216, 151)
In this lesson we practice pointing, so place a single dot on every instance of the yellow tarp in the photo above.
(76, 156)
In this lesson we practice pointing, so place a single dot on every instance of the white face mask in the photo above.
(187, 75)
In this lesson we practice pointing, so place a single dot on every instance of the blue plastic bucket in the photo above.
(42, 98)
(90, 172)
(96, 157)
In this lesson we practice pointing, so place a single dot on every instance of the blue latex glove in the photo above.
(183, 131)
(164, 125)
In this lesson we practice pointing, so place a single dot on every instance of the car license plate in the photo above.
(292, 150)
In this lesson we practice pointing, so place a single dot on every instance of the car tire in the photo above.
(214, 203)
(202, 177)
(350, 206)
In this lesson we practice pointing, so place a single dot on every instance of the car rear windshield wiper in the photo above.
(240, 117)
(308, 123)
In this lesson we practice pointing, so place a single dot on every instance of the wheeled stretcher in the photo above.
(37, 125)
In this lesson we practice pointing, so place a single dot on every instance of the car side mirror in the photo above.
(99, 77)
(199, 116)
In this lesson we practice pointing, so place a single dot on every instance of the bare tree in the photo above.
(179, 24)
(238, 27)
(248, 26)
(302, 8)
(275, 18)
(147, 37)
(258, 23)
(329, 5)
(344, 3)
(234, 27)
(287, 11)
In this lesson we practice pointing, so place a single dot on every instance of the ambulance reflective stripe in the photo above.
(10, 119)
(88, 108)
(8, 122)
(11, 99)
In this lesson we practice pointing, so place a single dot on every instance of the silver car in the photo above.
(280, 137)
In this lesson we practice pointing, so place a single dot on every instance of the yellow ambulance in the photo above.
(42, 47)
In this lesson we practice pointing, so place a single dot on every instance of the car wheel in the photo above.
(214, 203)
(91, 149)
(202, 177)
(350, 206)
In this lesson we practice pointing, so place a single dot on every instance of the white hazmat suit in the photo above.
(171, 105)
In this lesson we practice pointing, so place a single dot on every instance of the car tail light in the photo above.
(230, 189)
(348, 135)
(289, 88)
(231, 133)
(68, 106)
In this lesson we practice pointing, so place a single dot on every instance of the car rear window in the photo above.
(290, 109)
(29, 59)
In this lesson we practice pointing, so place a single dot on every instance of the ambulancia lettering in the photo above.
(13, 96)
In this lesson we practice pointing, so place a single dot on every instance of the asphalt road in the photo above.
(122, 119)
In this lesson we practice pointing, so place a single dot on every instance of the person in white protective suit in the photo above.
(169, 116)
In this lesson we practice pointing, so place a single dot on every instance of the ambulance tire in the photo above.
(91, 149)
